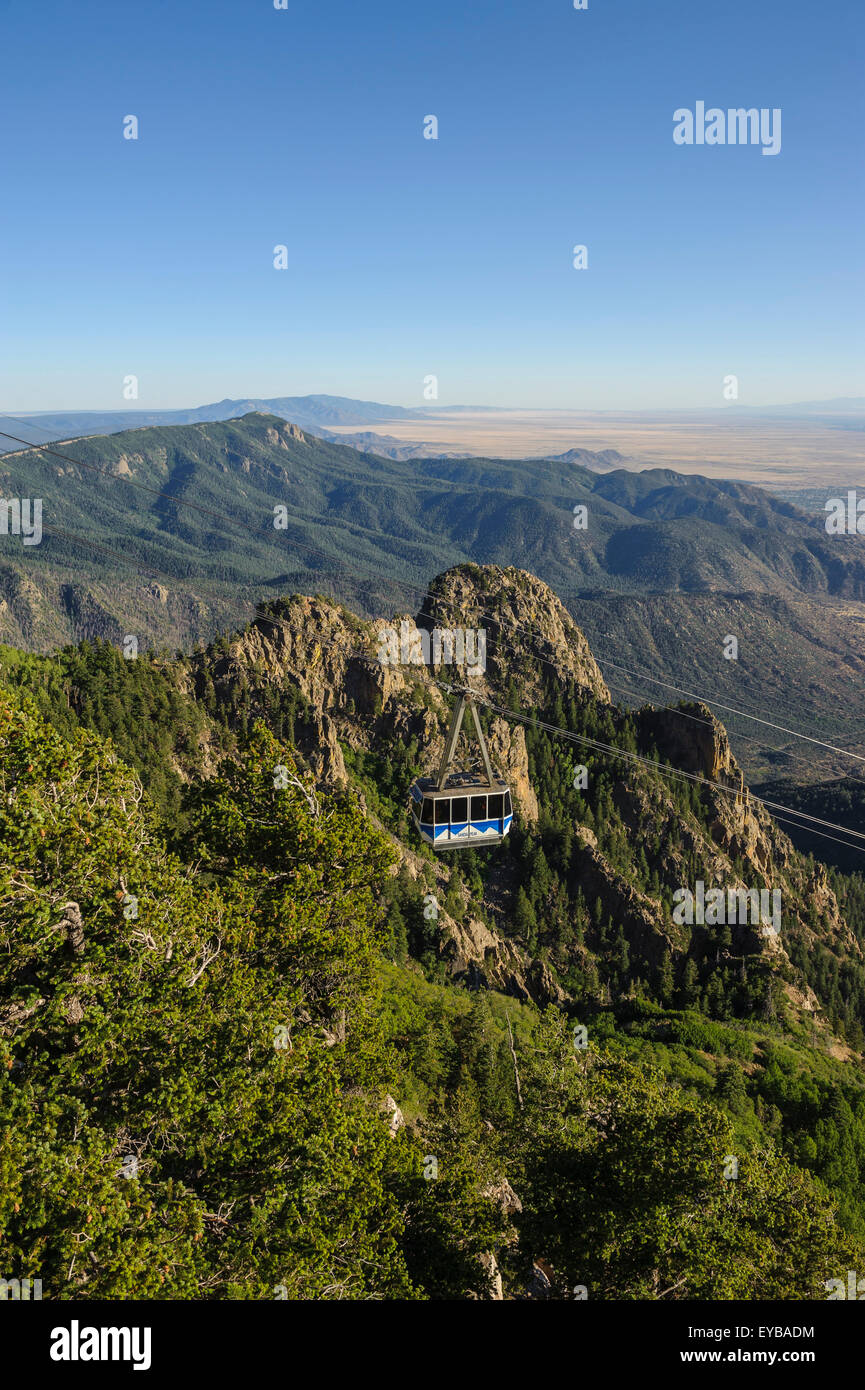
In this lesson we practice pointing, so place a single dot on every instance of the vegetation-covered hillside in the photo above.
(197, 1063)
(258, 1042)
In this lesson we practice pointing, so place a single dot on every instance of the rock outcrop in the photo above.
(356, 694)
(370, 686)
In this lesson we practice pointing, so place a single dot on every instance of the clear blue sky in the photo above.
(410, 256)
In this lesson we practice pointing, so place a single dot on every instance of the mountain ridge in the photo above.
(667, 566)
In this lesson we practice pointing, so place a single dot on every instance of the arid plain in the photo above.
(771, 452)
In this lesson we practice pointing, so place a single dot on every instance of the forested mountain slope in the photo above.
(172, 534)
(233, 1011)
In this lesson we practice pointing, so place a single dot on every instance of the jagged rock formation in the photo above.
(368, 686)
(483, 958)
(475, 954)
(692, 739)
(332, 659)
(526, 626)
(503, 1196)
(359, 695)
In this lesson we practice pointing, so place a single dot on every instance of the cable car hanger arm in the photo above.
(466, 700)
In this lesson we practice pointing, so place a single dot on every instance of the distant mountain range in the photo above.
(307, 411)
(838, 405)
(320, 414)
(667, 567)
(316, 413)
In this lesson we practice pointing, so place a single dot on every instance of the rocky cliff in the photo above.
(377, 687)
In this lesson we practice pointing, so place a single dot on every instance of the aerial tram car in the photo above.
(461, 808)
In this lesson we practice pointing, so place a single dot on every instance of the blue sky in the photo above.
(410, 257)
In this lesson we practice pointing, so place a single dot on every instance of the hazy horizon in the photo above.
(135, 407)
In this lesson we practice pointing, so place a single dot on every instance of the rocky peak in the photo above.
(369, 683)
(280, 434)
(692, 739)
(529, 634)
